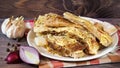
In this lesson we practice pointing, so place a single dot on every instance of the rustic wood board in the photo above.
(33, 8)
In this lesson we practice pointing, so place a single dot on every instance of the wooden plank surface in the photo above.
(3, 45)
(33, 8)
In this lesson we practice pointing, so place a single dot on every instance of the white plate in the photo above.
(44, 52)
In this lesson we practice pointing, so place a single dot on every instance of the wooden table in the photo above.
(32, 8)
(4, 41)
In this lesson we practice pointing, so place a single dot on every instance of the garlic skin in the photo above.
(28, 26)
(13, 28)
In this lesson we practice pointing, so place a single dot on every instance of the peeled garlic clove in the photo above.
(29, 55)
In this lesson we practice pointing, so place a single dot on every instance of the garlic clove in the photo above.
(14, 28)
(19, 31)
(9, 32)
(4, 24)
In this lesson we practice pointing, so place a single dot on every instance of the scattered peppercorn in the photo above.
(8, 50)
(13, 47)
(18, 39)
(18, 44)
(8, 44)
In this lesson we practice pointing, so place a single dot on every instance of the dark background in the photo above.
(33, 8)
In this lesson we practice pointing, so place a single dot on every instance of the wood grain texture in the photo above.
(33, 8)
(4, 41)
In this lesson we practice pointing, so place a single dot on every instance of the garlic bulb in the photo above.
(13, 28)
